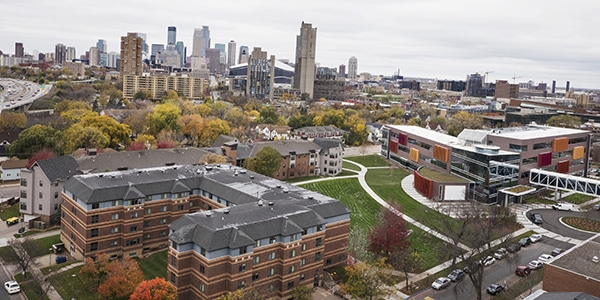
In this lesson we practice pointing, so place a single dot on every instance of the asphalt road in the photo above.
(551, 222)
(501, 271)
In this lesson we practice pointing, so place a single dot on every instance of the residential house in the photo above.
(11, 169)
(330, 156)
(273, 132)
(7, 137)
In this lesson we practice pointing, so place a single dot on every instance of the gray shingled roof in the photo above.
(222, 139)
(326, 143)
(286, 146)
(58, 168)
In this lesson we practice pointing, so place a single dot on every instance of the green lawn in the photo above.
(534, 199)
(348, 191)
(300, 179)
(41, 246)
(387, 184)
(439, 176)
(432, 250)
(350, 166)
(78, 286)
(369, 160)
(9, 212)
(155, 265)
(578, 198)
(8, 254)
(346, 173)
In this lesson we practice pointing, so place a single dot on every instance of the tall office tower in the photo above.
(71, 54)
(243, 55)
(94, 57)
(60, 52)
(131, 54)
(201, 41)
(196, 42)
(156, 49)
(221, 47)
(213, 60)
(41, 57)
(171, 35)
(475, 85)
(111, 59)
(19, 51)
(102, 46)
(352, 68)
(144, 45)
(342, 71)
(306, 50)
(568, 86)
(553, 86)
(103, 59)
(231, 53)
(181, 50)
(261, 75)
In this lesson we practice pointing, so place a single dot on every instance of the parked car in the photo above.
(563, 206)
(488, 261)
(522, 271)
(12, 221)
(597, 206)
(495, 289)
(58, 248)
(537, 218)
(500, 253)
(60, 259)
(534, 264)
(556, 252)
(544, 258)
(513, 248)
(456, 275)
(524, 242)
(534, 238)
(441, 283)
(12, 287)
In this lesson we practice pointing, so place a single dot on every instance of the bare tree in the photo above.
(21, 248)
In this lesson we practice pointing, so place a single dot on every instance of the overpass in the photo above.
(565, 182)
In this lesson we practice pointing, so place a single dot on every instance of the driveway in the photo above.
(551, 222)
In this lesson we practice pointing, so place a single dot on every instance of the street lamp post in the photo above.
(50, 261)
(73, 287)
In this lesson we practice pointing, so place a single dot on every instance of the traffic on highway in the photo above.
(16, 93)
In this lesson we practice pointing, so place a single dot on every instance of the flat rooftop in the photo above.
(529, 132)
(442, 138)
(579, 259)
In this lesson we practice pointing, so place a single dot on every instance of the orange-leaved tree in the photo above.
(154, 289)
(123, 277)
(96, 270)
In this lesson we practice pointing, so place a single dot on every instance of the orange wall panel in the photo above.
(440, 153)
(578, 152)
(560, 144)
(414, 155)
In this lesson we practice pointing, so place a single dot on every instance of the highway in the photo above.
(16, 93)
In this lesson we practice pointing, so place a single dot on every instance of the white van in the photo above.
(563, 206)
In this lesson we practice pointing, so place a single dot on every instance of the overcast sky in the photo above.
(535, 40)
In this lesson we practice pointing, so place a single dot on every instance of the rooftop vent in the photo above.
(311, 197)
(169, 164)
(122, 168)
(285, 190)
(226, 211)
(595, 259)
(209, 213)
(260, 202)
(235, 173)
(270, 203)
(278, 186)
(242, 171)
(251, 176)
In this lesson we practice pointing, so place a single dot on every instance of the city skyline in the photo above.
(541, 41)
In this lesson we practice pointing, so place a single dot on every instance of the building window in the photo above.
(319, 227)
(257, 244)
(163, 221)
(55, 195)
(290, 285)
(272, 240)
(328, 261)
(163, 233)
(134, 215)
(56, 206)
(201, 287)
(94, 232)
(114, 230)
(302, 277)
(202, 251)
(292, 269)
(173, 261)
(241, 284)
(256, 260)
(95, 219)
(94, 246)
(95, 205)
(293, 253)
(115, 217)
(163, 208)
(303, 247)
(23, 206)
(41, 183)
(133, 229)
(318, 242)
(271, 255)
(242, 268)
(255, 276)
(202, 269)
(147, 237)
(180, 207)
(23, 182)
(40, 207)
(23, 194)
(41, 195)
(317, 256)
(173, 278)
(146, 223)
(243, 250)
(148, 211)
(271, 271)
(114, 243)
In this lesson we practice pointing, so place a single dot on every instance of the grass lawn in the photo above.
(346, 173)
(534, 199)
(364, 209)
(432, 250)
(387, 184)
(9, 212)
(41, 246)
(369, 160)
(300, 179)
(30, 287)
(578, 198)
(8, 254)
(78, 286)
(155, 265)
(350, 166)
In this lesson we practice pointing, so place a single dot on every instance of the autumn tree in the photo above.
(154, 289)
(358, 132)
(67, 105)
(268, 115)
(368, 281)
(298, 121)
(266, 162)
(22, 247)
(212, 130)
(331, 117)
(12, 120)
(212, 158)
(192, 127)
(117, 134)
(564, 120)
(164, 117)
(302, 292)
(390, 238)
(73, 116)
(122, 279)
(96, 270)
(78, 136)
(464, 120)
(137, 121)
(236, 118)
(34, 139)
(40, 155)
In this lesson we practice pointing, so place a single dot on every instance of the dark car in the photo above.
(512, 248)
(524, 242)
(60, 259)
(537, 218)
(456, 275)
(58, 248)
(556, 252)
(522, 271)
(494, 289)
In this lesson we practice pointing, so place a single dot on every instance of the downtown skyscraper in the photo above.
(201, 41)
(171, 35)
(352, 68)
(231, 53)
(306, 48)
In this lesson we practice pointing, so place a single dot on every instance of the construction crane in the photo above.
(515, 77)
(486, 75)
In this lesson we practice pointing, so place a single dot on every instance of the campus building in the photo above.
(267, 235)
(488, 159)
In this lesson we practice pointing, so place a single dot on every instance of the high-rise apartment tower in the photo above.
(352, 68)
(231, 53)
(131, 54)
